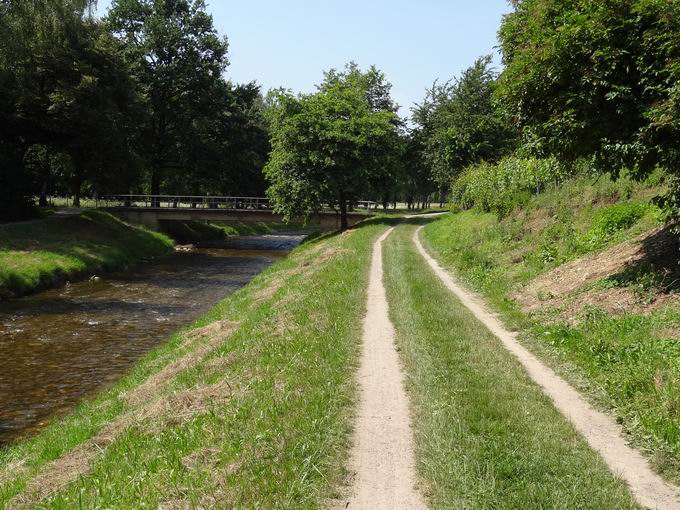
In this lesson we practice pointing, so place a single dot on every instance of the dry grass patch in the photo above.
(211, 336)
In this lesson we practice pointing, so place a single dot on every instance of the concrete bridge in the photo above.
(149, 210)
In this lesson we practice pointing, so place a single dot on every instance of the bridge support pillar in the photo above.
(149, 220)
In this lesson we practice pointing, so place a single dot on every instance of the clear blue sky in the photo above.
(289, 42)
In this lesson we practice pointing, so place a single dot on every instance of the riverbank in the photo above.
(249, 407)
(199, 231)
(68, 343)
(587, 274)
(46, 253)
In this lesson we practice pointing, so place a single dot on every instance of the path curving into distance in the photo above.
(382, 460)
(600, 430)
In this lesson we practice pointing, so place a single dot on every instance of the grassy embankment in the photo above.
(250, 407)
(45, 253)
(486, 436)
(615, 335)
(198, 231)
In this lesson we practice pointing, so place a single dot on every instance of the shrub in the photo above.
(502, 187)
(618, 217)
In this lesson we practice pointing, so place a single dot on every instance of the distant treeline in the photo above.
(134, 102)
(138, 102)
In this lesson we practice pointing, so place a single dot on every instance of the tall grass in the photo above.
(508, 184)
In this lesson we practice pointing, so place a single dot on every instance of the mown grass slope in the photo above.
(40, 254)
(250, 407)
(615, 336)
(199, 231)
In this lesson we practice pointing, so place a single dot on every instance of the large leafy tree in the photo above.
(332, 147)
(178, 59)
(63, 84)
(459, 123)
(417, 184)
(233, 146)
(596, 79)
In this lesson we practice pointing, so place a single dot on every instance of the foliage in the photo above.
(198, 128)
(417, 183)
(97, 106)
(459, 124)
(63, 84)
(618, 217)
(596, 79)
(502, 187)
(332, 147)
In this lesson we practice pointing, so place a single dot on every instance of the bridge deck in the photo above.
(149, 210)
(216, 203)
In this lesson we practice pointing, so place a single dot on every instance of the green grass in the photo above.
(629, 364)
(199, 231)
(486, 436)
(249, 229)
(279, 441)
(44, 253)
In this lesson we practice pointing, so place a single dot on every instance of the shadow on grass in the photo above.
(657, 268)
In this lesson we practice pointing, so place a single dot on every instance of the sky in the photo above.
(288, 43)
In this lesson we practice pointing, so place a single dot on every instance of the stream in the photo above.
(62, 345)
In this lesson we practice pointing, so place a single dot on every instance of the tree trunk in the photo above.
(42, 201)
(343, 212)
(76, 197)
(155, 185)
(76, 185)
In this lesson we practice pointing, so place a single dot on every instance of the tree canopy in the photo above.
(63, 84)
(595, 79)
(137, 102)
(335, 146)
(458, 123)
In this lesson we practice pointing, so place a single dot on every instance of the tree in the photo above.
(459, 123)
(232, 146)
(178, 59)
(63, 86)
(596, 80)
(418, 183)
(334, 146)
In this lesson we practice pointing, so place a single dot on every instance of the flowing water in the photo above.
(61, 345)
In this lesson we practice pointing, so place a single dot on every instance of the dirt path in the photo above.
(599, 429)
(382, 459)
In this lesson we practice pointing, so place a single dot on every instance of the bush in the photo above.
(618, 217)
(502, 187)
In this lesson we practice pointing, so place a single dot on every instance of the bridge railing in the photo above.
(185, 202)
(202, 202)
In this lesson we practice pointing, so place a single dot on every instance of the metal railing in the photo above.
(202, 202)
(185, 202)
